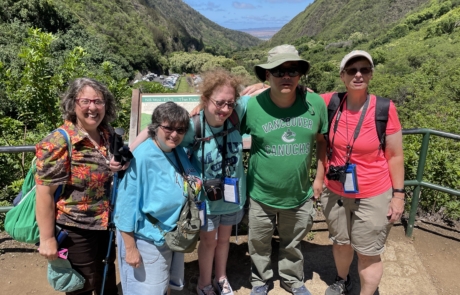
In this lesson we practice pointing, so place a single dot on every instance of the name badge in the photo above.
(202, 211)
(350, 186)
(231, 194)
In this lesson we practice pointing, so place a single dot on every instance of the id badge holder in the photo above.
(231, 194)
(202, 211)
(351, 180)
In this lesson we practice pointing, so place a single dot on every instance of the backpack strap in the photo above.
(60, 188)
(382, 107)
(332, 109)
(199, 139)
(235, 120)
(197, 125)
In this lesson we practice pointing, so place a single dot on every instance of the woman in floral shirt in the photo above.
(84, 206)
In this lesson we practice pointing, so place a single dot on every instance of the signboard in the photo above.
(143, 104)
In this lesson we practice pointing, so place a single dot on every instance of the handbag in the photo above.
(184, 237)
(20, 222)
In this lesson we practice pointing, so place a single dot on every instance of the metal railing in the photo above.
(418, 182)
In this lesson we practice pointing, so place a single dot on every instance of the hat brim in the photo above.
(259, 70)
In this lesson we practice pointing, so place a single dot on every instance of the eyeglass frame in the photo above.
(230, 105)
(99, 106)
(169, 129)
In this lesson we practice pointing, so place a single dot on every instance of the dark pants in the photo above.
(87, 250)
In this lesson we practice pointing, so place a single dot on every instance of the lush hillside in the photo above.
(338, 19)
(217, 39)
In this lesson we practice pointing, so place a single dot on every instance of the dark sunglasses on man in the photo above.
(279, 72)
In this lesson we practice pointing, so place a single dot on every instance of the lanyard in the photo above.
(179, 169)
(357, 129)
(223, 152)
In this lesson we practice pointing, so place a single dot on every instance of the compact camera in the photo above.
(337, 173)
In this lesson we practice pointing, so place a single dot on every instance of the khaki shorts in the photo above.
(363, 223)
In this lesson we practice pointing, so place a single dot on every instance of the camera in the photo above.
(337, 173)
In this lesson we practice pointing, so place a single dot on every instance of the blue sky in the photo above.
(248, 14)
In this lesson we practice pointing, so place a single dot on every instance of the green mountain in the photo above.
(194, 24)
(338, 19)
(133, 34)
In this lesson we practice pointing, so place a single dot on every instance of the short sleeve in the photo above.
(189, 137)
(393, 124)
(242, 106)
(53, 165)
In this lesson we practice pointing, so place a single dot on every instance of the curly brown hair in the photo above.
(217, 78)
(76, 86)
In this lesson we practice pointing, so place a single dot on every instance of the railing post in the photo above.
(416, 193)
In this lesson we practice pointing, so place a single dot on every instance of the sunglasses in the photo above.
(86, 102)
(353, 71)
(279, 72)
(169, 129)
(221, 103)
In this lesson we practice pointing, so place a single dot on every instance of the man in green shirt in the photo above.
(283, 123)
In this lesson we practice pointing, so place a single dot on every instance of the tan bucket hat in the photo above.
(279, 55)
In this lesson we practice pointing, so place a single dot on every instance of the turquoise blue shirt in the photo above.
(151, 185)
(213, 160)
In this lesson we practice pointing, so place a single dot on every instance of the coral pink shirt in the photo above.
(371, 165)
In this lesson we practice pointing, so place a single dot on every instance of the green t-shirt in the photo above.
(282, 143)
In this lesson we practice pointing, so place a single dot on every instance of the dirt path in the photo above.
(428, 263)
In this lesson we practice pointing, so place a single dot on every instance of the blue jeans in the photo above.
(160, 268)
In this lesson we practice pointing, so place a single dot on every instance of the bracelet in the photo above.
(399, 190)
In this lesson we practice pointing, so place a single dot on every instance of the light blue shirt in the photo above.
(151, 185)
(213, 159)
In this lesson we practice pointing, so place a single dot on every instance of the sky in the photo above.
(249, 14)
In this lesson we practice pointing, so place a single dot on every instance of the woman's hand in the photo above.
(133, 257)
(116, 166)
(49, 248)
(396, 208)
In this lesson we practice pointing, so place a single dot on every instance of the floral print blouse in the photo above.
(85, 202)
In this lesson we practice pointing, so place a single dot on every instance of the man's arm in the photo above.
(321, 146)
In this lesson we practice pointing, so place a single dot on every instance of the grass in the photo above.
(183, 86)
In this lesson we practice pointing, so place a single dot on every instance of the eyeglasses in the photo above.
(86, 102)
(353, 71)
(221, 103)
(279, 72)
(169, 129)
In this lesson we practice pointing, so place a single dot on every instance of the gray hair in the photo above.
(170, 112)
(76, 86)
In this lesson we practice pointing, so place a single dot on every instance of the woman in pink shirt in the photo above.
(364, 179)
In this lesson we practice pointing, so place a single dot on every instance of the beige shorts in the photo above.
(363, 223)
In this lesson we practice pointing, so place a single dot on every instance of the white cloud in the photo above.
(240, 5)
(203, 6)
